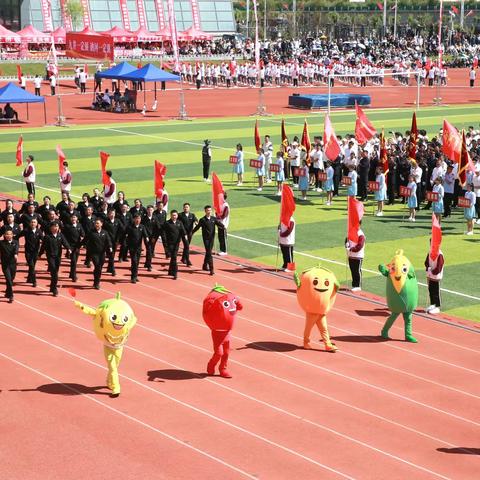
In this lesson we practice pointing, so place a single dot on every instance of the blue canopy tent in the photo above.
(117, 71)
(12, 93)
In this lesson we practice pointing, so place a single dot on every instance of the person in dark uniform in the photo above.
(102, 212)
(75, 235)
(88, 224)
(96, 200)
(28, 216)
(10, 224)
(149, 221)
(138, 208)
(45, 208)
(161, 216)
(8, 258)
(83, 204)
(66, 214)
(208, 224)
(125, 219)
(206, 159)
(135, 235)
(52, 246)
(174, 232)
(189, 221)
(9, 209)
(30, 201)
(117, 205)
(98, 244)
(337, 175)
(62, 206)
(33, 241)
(362, 181)
(114, 228)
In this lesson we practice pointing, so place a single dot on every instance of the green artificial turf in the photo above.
(320, 229)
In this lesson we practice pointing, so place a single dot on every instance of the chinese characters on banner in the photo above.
(88, 46)
(160, 14)
(195, 14)
(142, 19)
(125, 15)
(86, 13)
(47, 16)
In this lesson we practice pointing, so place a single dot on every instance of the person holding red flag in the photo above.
(29, 175)
(434, 264)
(222, 211)
(355, 242)
(65, 179)
(286, 229)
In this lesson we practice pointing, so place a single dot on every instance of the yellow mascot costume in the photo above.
(112, 321)
(316, 292)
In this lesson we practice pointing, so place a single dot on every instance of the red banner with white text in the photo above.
(142, 18)
(125, 14)
(89, 46)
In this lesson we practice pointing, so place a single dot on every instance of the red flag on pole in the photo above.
(61, 159)
(288, 205)
(258, 141)
(455, 10)
(465, 164)
(355, 214)
(383, 154)
(364, 130)
(412, 146)
(160, 170)
(19, 73)
(452, 142)
(436, 240)
(305, 142)
(19, 154)
(330, 142)
(217, 194)
(103, 161)
(380, 6)
(284, 135)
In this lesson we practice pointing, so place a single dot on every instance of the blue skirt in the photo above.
(280, 176)
(469, 213)
(261, 172)
(328, 185)
(239, 168)
(412, 201)
(381, 195)
(303, 183)
(437, 207)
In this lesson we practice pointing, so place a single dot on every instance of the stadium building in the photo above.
(215, 17)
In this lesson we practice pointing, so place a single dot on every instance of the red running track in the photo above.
(373, 410)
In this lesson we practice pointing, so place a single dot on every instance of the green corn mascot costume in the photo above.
(402, 293)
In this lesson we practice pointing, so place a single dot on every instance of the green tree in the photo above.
(74, 9)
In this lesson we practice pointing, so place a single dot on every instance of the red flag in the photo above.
(19, 73)
(330, 142)
(258, 142)
(355, 214)
(159, 175)
(284, 135)
(288, 205)
(465, 163)
(364, 130)
(475, 62)
(383, 154)
(436, 239)
(19, 154)
(305, 142)
(103, 160)
(455, 10)
(380, 6)
(452, 142)
(61, 159)
(412, 147)
(217, 194)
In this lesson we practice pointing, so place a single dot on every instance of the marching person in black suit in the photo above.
(43, 209)
(63, 204)
(98, 244)
(150, 223)
(174, 232)
(96, 200)
(138, 208)
(11, 225)
(66, 214)
(114, 229)
(9, 209)
(75, 235)
(189, 221)
(30, 201)
(83, 204)
(8, 257)
(208, 224)
(33, 241)
(135, 235)
(125, 219)
(52, 246)
(161, 216)
(28, 216)
(88, 224)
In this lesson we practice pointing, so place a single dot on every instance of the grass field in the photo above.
(320, 229)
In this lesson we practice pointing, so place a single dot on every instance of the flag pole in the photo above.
(438, 100)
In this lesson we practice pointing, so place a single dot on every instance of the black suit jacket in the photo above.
(74, 235)
(208, 228)
(52, 246)
(188, 221)
(15, 228)
(98, 242)
(8, 252)
(135, 235)
(33, 240)
(114, 229)
(174, 231)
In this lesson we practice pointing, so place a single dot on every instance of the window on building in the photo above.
(216, 16)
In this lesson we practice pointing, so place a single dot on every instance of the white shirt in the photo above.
(37, 82)
(290, 239)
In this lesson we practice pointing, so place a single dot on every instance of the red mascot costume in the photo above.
(219, 309)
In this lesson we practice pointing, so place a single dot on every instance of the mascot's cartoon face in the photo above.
(219, 308)
(400, 270)
(113, 319)
(316, 290)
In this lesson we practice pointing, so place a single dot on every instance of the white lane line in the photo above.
(187, 405)
(131, 418)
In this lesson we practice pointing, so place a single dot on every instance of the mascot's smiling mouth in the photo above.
(398, 278)
(232, 309)
(117, 327)
(321, 289)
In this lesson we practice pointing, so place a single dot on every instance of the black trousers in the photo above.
(123, 251)
(186, 248)
(37, 92)
(355, 265)
(31, 258)
(208, 260)
(294, 177)
(83, 87)
(30, 187)
(206, 168)
(362, 183)
(287, 254)
(53, 267)
(222, 238)
(111, 259)
(447, 200)
(477, 207)
(434, 292)
(9, 271)
(52, 90)
(149, 246)
(135, 260)
(98, 260)
(173, 252)
(73, 262)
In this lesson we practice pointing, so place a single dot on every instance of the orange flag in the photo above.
(383, 154)
(19, 73)
(330, 142)
(217, 194)
(19, 154)
(436, 240)
(451, 142)
(465, 164)
(355, 214)
(288, 206)
(412, 147)
(160, 170)
(103, 163)
(305, 142)
(258, 142)
(61, 159)
(364, 130)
